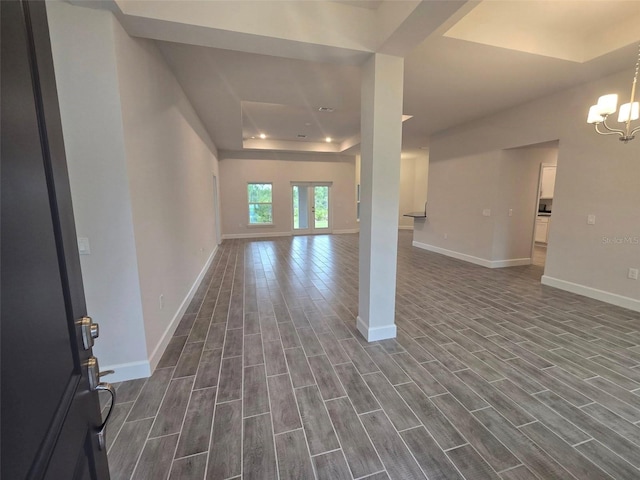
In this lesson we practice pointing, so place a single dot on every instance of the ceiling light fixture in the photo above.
(328, 139)
(325, 109)
(263, 136)
(608, 104)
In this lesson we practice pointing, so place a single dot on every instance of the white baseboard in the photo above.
(346, 230)
(171, 328)
(608, 297)
(128, 371)
(512, 262)
(405, 227)
(376, 333)
(232, 236)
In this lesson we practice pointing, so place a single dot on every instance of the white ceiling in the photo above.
(570, 30)
(448, 80)
(370, 4)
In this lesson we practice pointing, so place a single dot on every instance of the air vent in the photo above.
(300, 135)
(325, 109)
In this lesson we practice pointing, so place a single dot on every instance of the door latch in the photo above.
(94, 375)
(107, 387)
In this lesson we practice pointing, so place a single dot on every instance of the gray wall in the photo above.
(459, 189)
(517, 190)
(596, 175)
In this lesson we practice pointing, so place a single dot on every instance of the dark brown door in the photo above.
(50, 415)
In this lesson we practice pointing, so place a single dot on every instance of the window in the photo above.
(260, 203)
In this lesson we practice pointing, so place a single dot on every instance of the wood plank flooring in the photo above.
(492, 376)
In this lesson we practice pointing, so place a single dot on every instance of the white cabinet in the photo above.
(542, 229)
(548, 181)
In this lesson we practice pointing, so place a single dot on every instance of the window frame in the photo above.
(249, 203)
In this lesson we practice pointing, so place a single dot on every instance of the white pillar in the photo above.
(381, 143)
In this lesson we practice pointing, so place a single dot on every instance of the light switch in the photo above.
(591, 219)
(83, 246)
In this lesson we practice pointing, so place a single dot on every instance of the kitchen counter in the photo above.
(415, 215)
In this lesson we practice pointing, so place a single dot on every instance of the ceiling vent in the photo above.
(325, 109)
(300, 135)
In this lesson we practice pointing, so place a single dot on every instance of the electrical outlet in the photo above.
(161, 301)
(633, 273)
(511, 212)
(446, 235)
(591, 219)
(486, 212)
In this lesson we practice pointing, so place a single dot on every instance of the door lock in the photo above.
(90, 331)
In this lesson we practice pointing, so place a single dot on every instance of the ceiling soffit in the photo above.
(573, 31)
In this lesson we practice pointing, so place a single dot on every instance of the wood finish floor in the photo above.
(492, 376)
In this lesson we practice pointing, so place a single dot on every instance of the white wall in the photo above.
(281, 169)
(85, 65)
(407, 188)
(169, 163)
(414, 172)
(596, 175)
(141, 166)
(420, 182)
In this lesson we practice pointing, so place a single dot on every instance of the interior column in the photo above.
(381, 142)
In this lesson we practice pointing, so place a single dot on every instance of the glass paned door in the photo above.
(301, 216)
(311, 208)
(321, 207)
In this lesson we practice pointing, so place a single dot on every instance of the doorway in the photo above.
(311, 208)
(546, 187)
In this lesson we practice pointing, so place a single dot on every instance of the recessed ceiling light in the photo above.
(328, 139)
(263, 136)
(325, 109)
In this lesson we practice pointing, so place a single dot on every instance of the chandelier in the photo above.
(608, 104)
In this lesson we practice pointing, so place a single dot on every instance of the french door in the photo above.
(311, 208)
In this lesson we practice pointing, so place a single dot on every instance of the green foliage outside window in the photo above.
(296, 207)
(320, 203)
(260, 203)
(321, 200)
